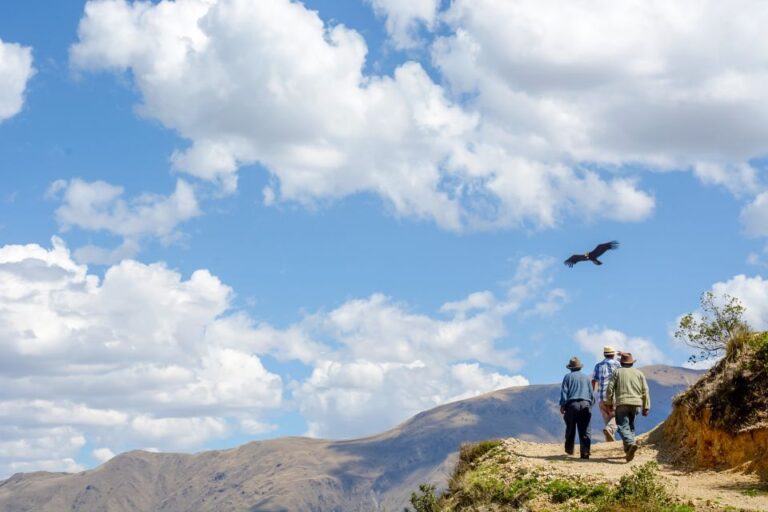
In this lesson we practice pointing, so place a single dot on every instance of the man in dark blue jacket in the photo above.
(576, 399)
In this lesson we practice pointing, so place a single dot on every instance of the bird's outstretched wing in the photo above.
(600, 249)
(575, 259)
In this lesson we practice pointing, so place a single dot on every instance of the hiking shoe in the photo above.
(586, 456)
(631, 452)
(569, 452)
(608, 436)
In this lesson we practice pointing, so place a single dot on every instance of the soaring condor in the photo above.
(592, 255)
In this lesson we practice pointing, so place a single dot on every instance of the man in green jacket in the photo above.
(627, 391)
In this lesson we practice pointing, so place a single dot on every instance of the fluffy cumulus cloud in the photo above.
(404, 18)
(146, 358)
(38, 449)
(754, 216)
(135, 359)
(668, 85)
(103, 454)
(269, 82)
(752, 292)
(15, 71)
(386, 363)
(100, 206)
(644, 350)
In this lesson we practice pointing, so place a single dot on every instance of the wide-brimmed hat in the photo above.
(626, 358)
(608, 350)
(575, 364)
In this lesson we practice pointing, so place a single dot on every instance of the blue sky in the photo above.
(224, 220)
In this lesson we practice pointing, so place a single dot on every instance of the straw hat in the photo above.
(608, 350)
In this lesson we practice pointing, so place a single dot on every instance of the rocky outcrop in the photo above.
(692, 441)
(721, 422)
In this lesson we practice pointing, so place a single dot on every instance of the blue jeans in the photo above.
(625, 423)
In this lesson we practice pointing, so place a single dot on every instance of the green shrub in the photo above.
(759, 343)
(756, 491)
(641, 491)
(426, 501)
(561, 491)
(718, 331)
(469, 453)
(642, 486)
(484, 485)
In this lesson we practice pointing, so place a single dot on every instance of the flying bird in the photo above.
(593, 254)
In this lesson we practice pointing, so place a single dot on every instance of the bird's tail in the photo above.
(597, 262)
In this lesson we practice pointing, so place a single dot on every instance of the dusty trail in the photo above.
(607, 464)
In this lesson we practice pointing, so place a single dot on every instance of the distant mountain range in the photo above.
(300, 474)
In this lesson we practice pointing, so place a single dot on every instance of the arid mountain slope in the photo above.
(299, 474)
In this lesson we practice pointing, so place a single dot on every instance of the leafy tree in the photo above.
(711, 333)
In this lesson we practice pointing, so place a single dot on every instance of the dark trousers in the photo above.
(578, 414)
(625, 423)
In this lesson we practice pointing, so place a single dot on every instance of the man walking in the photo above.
(600, 378)
(626, 392)
(576, 399)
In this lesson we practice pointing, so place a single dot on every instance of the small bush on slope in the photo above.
(712, 332)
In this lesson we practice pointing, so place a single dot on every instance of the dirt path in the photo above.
(607, 464)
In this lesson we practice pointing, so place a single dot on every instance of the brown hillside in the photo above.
(721, 422)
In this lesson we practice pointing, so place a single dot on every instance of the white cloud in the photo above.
(533, 275)
(667, 85)
(93, 254)
(405, 17)
(15, 71)
(234, 79)
(103, 454)
(754, 216)
(99, 206)
(644, 350)
(474, 380)
(384, 363)
(254, 427)
(38, 449)
(349, 399)
(183, 432)
(616, 82)
(739, 178)
(477, 300)
(46, 412)
(758, 258)
(552, 303)
(120, 361)
(752, 292)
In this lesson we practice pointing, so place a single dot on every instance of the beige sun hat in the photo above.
(608, 350)
(575, 364)
(626, 358)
